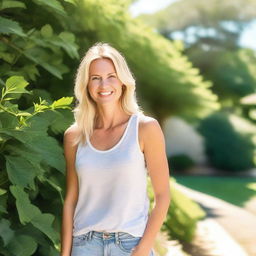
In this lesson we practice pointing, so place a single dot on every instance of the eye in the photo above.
(94, 78)
(112, 76)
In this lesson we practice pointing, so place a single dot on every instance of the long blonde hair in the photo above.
(85, 110)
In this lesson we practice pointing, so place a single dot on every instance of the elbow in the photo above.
(164, 198)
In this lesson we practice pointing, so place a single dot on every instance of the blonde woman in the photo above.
(109, 150)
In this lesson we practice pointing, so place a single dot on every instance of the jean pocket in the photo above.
(127, 244)
(79, 240)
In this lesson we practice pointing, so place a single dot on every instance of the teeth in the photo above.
(105, 93)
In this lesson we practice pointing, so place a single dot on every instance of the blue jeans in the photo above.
(96, 243)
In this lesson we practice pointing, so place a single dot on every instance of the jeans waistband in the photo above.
(108, 235)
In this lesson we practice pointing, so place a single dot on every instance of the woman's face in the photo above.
(103, 85)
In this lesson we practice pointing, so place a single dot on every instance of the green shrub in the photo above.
(182, 215)
(31, 170)
(180, 162)
(228, 143)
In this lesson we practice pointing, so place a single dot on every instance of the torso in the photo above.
(104, 140)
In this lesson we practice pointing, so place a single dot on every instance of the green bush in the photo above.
(180, 162)
(228, 141)
(182, 215)
(31, 174)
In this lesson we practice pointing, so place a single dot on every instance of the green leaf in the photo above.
(63, 102)
(71, 1)
(35, 55)
(30, 213)
(30, 71)
(62, 121)
(3, 202)
(21, 172)
(3, 179)
(24, 114)
(21, 149)
(8, 26)
(13, 108)
(2, 191)
(6, 233)
(46, 31)
(8, 57)
(50, 151)
(67, 42)
(9, 98)
(36, 139)
(8, 121)
(16, 84)
(52, 184)
(12, 4)
(22, 245)
(67, 36)
(52, 5)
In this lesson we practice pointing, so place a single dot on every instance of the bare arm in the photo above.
(157, 165)
(71, 193)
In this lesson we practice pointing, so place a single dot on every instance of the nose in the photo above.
(103, 82)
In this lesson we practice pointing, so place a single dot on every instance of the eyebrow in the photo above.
(108, 74)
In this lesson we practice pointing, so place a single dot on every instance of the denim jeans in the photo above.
(95, 243)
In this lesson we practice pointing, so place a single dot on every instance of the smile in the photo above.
(105, 93)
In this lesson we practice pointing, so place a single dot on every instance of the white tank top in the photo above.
(112, 186)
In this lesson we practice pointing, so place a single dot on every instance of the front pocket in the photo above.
(79, 240)
(128, 244)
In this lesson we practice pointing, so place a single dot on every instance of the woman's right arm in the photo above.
(71, 195)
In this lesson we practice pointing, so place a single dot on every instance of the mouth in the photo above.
(105, 93)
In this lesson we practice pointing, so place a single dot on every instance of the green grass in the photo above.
(231, 189)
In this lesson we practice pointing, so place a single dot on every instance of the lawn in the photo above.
(231, 189)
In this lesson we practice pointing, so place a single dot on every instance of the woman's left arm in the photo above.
(157, 165)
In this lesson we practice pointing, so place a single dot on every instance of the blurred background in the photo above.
(195, 67)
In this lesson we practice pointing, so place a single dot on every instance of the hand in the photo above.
(138, 251)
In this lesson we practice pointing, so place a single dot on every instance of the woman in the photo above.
(109, 151)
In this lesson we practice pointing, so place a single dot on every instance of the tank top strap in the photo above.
(132, 136)
(131, 132)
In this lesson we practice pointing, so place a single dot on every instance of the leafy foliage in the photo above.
(211, 32)
(32, 164)
(228, 140)
(27, 155)
(180, 162)
(166, 81)
(182, 215)
(212, 23)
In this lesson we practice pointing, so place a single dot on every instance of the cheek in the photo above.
(90, 88)
(90, 91)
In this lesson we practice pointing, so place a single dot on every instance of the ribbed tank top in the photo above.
(112, 186)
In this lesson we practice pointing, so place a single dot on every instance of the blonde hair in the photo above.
(85, 110)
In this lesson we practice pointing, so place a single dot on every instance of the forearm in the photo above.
(67, 228)
(155, 221)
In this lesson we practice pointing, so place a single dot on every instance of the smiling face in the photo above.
(103, 85)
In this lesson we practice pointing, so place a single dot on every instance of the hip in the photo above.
(97, 243)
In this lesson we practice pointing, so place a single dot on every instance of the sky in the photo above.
(248, 38)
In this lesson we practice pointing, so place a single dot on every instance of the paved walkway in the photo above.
(232, 228)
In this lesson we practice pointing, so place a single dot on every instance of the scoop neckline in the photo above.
(117, 144)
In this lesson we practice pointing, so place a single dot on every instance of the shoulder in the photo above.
(71, 130)
(151, 136)
(149, 126)
(148, 123)
(71, 133)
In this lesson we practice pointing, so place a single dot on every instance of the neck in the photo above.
(110, 116)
